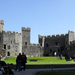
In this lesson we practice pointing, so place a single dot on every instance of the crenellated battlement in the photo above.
(34, 44)
(41, 36)
(71, 31)
(49, 36)
(10, 33)
(26, 29)
(2, 21)
(53, 35)
(66, 34)
(57, 35)
(62, 35)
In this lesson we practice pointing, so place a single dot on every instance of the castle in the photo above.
(13, 43)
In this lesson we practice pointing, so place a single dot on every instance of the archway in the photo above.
(8, 54)
(54, 53)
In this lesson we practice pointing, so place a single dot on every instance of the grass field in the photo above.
(40, 60)
(56, 73)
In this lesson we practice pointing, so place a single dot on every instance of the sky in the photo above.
(44, 17)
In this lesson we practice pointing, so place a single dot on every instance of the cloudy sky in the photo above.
(44, 17)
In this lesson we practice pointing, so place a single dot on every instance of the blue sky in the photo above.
(44, 17)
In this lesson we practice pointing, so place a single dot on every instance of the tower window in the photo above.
(8, 47)
(47, 45)
(25, 43)
(41, 44)
(4, 46)
(57, 43)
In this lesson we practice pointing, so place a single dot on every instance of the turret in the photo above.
(25, 36)
(1, 25)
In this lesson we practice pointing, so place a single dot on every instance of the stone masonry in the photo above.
(13, 43)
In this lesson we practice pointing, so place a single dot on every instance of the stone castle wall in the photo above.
(56, 43)
(33, 50)
(13, 43)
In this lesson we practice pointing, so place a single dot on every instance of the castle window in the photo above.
(25, 43)
(8, 47)
(4, 46)
(47, 45)
(57, 43)
(8, 53)
(41, 44)
(50, 50)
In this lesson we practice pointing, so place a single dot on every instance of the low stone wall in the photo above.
(45, 66)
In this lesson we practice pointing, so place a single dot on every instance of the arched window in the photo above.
(8, 54)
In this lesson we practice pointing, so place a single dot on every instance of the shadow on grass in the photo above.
(56, 73)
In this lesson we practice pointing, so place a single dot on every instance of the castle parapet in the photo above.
(2, 21)
(62, 35)
(26, 29)
(38, 44)
(57, 35)
(9, 32)
(53, 35)
(48, 36)
(66, 34)
(71, 31)
(34, 44)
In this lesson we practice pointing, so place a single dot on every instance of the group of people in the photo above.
(21, 62)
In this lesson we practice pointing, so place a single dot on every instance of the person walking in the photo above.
(24, 61)
(18, 62)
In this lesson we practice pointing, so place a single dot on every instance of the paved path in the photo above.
(33, 71)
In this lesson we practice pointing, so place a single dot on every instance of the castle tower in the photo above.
(25, 36)
(1, 25)
(70, 36)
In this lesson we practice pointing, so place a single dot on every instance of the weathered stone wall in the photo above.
(14, 40)
(71, 36)
(9, 40)
(25, 36)
(33, 50)
(18, 43)
(54, 44)
(1, 43)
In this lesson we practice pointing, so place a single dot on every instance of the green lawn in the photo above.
(41, 60)
(56, 73)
